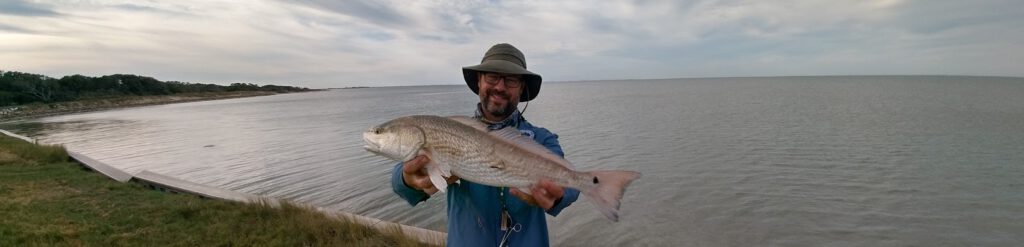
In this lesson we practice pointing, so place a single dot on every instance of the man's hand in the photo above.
(414, 174)
(543, 194)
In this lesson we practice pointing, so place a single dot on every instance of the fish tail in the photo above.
(608, 191)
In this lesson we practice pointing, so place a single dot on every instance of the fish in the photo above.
(465, 147)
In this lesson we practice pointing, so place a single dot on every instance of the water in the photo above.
(801, 161)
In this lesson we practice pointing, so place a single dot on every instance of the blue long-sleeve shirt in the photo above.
(474, 210)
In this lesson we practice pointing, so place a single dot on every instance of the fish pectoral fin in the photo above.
(441, 165)
(437, 178)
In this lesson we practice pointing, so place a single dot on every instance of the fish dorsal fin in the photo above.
(472, 122)
(513, 136)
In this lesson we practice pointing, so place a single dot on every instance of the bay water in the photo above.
(778, 161)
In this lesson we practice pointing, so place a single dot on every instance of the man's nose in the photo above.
(500, 85)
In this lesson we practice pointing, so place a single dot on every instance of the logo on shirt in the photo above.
(528, 133)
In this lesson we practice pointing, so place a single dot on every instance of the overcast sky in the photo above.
(326, 43)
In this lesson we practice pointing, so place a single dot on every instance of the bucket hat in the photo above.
(504, 58)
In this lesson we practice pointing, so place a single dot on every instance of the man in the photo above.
(481, 215)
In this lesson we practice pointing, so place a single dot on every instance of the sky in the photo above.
(327, 43)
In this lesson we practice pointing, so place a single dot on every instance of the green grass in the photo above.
(47, 200)
(14, 151)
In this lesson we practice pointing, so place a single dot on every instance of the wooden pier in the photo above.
(95, 165)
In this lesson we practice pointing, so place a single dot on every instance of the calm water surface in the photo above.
(797, 161)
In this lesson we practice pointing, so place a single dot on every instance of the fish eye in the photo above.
(376, 131)
(595, 180)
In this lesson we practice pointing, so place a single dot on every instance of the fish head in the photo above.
(396, 141)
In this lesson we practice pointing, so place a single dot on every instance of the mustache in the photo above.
(504, 94)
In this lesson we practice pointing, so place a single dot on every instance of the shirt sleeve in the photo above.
(550, 141)
(410, 195)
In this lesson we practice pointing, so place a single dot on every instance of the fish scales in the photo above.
(464, 147)
(449, 140)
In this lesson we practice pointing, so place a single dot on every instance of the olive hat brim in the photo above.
(532, 80)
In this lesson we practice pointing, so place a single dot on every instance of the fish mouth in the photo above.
(375, 150)
(369, 145)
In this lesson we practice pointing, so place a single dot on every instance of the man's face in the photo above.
(497, 98)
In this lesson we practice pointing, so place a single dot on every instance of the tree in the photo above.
(44, 90)
(22, 88)
(8, 98)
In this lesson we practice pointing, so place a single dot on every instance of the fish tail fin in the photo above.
(607, 193)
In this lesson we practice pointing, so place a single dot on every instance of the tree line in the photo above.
(17, 88)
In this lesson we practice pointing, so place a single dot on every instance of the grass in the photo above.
(47, 200)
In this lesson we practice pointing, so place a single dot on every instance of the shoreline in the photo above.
(22, 112)
(52, 200)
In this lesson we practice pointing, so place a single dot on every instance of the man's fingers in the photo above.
(415, 164)
(523, 196)
(416, 176)
(551, 189)
(423, 183)
(543, 194)
(452, 179)
(543, 198)
(430, 191)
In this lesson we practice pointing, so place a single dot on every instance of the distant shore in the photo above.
(87, 105)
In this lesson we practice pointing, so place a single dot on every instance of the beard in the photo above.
(494, 108)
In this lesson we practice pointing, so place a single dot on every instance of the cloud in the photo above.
(22, 8)
(346, 43)
(4, 27)
(376, 12)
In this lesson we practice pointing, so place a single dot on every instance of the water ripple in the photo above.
(801, 161)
